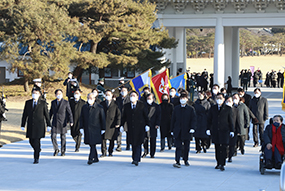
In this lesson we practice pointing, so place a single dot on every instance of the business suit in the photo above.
(136, 117)
(37, 115)
(92, 120)
(121, 101)
(60, 113)
(259, 107)
(183, 119)
(76, 106)
(113, 119)
(220, 123)
(154, 116)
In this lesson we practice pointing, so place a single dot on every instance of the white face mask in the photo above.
(133, 99)
(108, 98)
(124, 93)
(257, 95)
(95, 93)
(215, 91)
(35, 96)
(102, 83)
(219, 101)
(4, 101)
(90, 102)
(70, 76)
(236, 101)
(183, 101)
(201, 97)
(76, 96)
(149, 101)
(39, 84)
(229, 104)
(172, 94)
(59, 97)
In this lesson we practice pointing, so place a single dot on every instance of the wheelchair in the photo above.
(262, 164)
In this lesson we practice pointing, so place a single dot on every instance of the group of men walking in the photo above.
(212, 117)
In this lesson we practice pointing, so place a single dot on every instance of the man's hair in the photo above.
(133, 91)
(55, 92)
(108, 90)
(257, 89)
(240, 90)
(216, 85)
(221, 95)
(150, 94)
(280, 117)
(146, 88)
(173, 88)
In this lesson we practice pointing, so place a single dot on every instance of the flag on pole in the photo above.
(283, 99)
(179, 81)
(141, 81)
(160, 85)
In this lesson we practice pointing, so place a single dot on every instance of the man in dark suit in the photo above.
(220, 122)
(121, 101)
(71, 85)
(154, 116)
(246, 96)
(61, 113)
(113, 121)
(183, 123)
(76, 105)
(135, 114)
(37, 113)
(259, 107)
(174, 99)
(92, 121)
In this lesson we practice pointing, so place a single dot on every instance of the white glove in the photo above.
(122, 129)
(232, 134)
(81, 131)
(208, 132)
(48, 128)
(113, 90)
(146, 128)
(23, 128)
(171, 133)
(192, 131)
(102, 132)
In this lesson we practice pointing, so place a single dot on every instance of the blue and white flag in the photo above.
(179, 81)
(141, 81)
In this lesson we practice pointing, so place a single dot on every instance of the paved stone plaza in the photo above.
(71, 172)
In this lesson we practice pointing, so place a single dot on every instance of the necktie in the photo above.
(134, 106)
(35, 104)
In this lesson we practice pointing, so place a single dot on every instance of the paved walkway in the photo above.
(116, 173)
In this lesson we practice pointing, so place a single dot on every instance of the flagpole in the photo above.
(132, 79)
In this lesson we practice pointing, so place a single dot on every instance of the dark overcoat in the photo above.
(37, 117)
(60, 115)
(183, 119)
(136, 120)
(201, 107)
(165, 122)
(259, 107)
(92, 120)
(120, 101)
(113, 118)
(154, 117)
(76, 112)
(220, 123)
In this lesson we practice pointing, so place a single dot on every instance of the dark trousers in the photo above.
(255, 133)
(200, 142)
(77, 140)
(221, 154)
(186, 148)
(104, 146)
(93, 153)
(136, 152)
(241, 142)
(127, 140)
(152, 145)
(119, 140)
(36, 145)
(268, 155)
(62, 139)
(169, 142)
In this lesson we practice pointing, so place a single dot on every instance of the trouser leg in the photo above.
(111, 146)
(136, 153)
(63, 142)
(277, 156)
(78, 141)
(152, 146)
(127, 140)
(169, 141)
(217, 153)
(93, 152)
(261, 130)
(119, 140)
(104, 146)
(197, 144)
(36, 145)
(267, 154)
(254, 134)
(54, 141)
(162, 143)
(241, 142)
(186, 150)
(145, 145)
(223, 154)
(178, 145)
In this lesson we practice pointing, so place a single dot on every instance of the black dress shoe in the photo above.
(169, 148)
(230, 160)
(255, 145)
(197, 152)
(222, 168)
(242, 152)
(103, 155)
(36, 161)
(161, 150)
(204, 150)
(127, 148)
(177, 165)
(144, 155)
(186, 163)
(133, 162)
(55, 152)
(110, 154)
(268, 165)
(119, 149)
(76, 150)
(218, 167)
(95, 160)
(89, 162)
(62, 154)
(136, 163)
(278, 165)
(152, 156)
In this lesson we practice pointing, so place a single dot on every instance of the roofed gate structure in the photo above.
(226, 16)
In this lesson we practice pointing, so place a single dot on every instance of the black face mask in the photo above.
(165, 101)
(276, 124)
